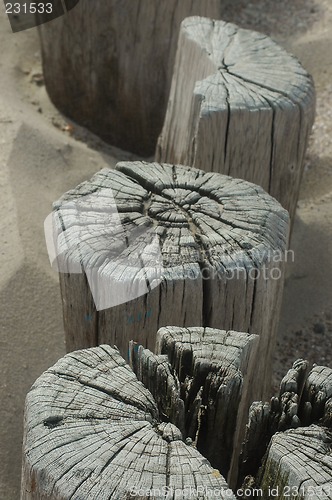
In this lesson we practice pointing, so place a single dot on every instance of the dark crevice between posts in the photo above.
(252, 312)
(272, 146)
(187, 422)
(207, 291)
(91, 318)
(228, 120)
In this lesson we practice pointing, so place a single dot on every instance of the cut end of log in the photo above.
(239, 105)
(299, 464)
(92, 430)
(159, 244)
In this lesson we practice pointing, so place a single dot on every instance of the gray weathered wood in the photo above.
(202, 377)
(93, 431)
(157, 375)
(108, 65)
(304, 401)
(239, 105)
(221, 243)
(265, 419)
(298, 465)
(317, 396)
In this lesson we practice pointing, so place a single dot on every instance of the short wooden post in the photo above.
(92, 430)
(265, 419)
(239, 105)
(316, 402)
(287, 445)
(203, 377)
(108, 65)
(221, 244)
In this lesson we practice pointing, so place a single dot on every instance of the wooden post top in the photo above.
(244, 67)
(180, 219)
(239, 105)
(93, 431)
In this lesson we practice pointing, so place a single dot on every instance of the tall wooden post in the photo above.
(239, 105)
(149, 245)
(108, 65)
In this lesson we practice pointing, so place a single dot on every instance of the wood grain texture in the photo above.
(299, 465)
(316, 403)
(239, 105)
(304, 400)
(265, 419)
(93, 431)
(201, 378)
(221, 243)
(108, 65)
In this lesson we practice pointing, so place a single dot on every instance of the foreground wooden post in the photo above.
(92, 430)
(108, 65)
(239, 105)
(202, 378)
(160, 244)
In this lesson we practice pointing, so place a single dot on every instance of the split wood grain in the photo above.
(239, 105)
(316, 403)
(203, 378)
(92, 430)
(305, 399)
(108, 65)
(221, 244)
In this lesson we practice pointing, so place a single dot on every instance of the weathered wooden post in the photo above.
(287, 447)
(202, 378)
(166, 244)
(92, 430)
(108, 65)
(298, 465)
(239, 105)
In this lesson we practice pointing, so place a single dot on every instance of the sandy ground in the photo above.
(40, 159)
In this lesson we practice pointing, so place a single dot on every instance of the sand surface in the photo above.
(42, 156)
